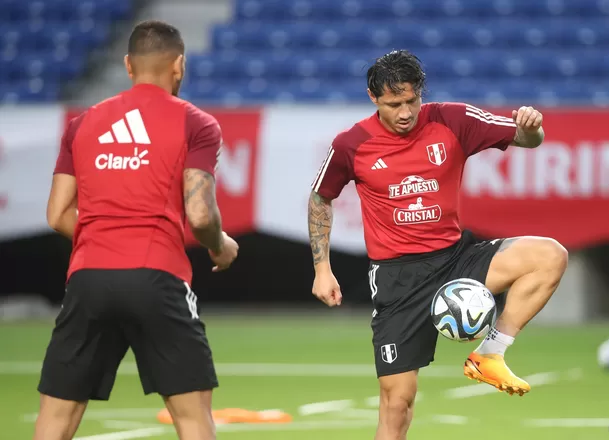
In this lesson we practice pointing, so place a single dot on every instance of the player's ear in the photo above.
(372, 97)
(179, 66)
(128, 66)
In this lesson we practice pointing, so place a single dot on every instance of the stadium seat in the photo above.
(487, 51)
(44, 43)
(281, 10)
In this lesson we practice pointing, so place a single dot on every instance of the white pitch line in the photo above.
(127, 424)
(324, 407)
(131, 434)
(375, 401)
(483, 389)
(361, 413)
(450, 419)
(108, 414)
(297, 426)
(255, 369)
(568, 423)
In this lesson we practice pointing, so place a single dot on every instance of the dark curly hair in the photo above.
(392, 70)
(155, 36)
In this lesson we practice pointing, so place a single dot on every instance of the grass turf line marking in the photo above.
(127, 424)
(375, 401)
(324, 407)
(361, 413)
(107, 414)
(450, 419)
(484, 389)
(126, 435)
(255, 369)
(567, 423)
(298, 426)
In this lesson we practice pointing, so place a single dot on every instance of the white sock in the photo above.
(495, 343)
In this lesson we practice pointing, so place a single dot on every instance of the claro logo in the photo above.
(113, 162)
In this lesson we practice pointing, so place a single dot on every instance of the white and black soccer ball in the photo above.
(463, 310)
(603, 354)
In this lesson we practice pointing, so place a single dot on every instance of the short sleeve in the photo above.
(204, 137)
(476, 129)
(336, 171)
(65, 159)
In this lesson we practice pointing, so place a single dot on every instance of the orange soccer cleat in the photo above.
(491, 369)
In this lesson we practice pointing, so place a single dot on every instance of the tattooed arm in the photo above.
(320, 225)
(202, 210)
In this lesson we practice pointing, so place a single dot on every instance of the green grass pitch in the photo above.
(327, 357)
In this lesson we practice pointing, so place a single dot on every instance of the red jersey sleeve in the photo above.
(204, 138)
(476, 129)
(65, 161)
(336, 171)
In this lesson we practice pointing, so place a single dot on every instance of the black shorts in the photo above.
(404, 336)
(106, 312)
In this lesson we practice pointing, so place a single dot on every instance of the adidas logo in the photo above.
(138, 133)
(379, 164)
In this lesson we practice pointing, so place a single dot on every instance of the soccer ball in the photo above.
(463, 310)
(603, 355)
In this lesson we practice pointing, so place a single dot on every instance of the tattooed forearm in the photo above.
(527, 139)
(320, 225)
(202, 210)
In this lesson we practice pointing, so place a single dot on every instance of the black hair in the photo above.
(392, 70)
(155, 37)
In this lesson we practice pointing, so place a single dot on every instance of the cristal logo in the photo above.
(417, 213)
(112, 162)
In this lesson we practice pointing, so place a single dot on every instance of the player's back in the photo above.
(129, 153)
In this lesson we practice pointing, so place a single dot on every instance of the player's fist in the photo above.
(527, 118)
(224, 259)
(326, 289)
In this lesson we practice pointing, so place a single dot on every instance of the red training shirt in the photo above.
(128, 155)
(409, 185)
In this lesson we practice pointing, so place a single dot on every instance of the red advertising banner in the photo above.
(560, 189)
(237, 169)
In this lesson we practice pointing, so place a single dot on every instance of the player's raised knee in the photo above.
(551, 255)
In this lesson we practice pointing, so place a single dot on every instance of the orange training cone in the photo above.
(236, 415)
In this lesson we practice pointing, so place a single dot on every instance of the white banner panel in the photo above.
(294, 143)
(29, 143)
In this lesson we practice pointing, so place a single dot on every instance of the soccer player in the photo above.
(130, 170)
(407, 160)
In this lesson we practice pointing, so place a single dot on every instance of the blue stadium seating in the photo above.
(46, 43)
(489, 51)
(552, 52)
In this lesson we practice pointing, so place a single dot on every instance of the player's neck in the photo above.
(153, 81)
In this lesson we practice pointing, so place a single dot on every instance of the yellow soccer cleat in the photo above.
(491, 369)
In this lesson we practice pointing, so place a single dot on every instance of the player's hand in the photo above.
(527, 118)
(326, 289)
(224, 259)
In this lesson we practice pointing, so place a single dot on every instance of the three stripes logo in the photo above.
(191, 300)
(488, 118)
(379, 165)
(322, 170)
(136, 133)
